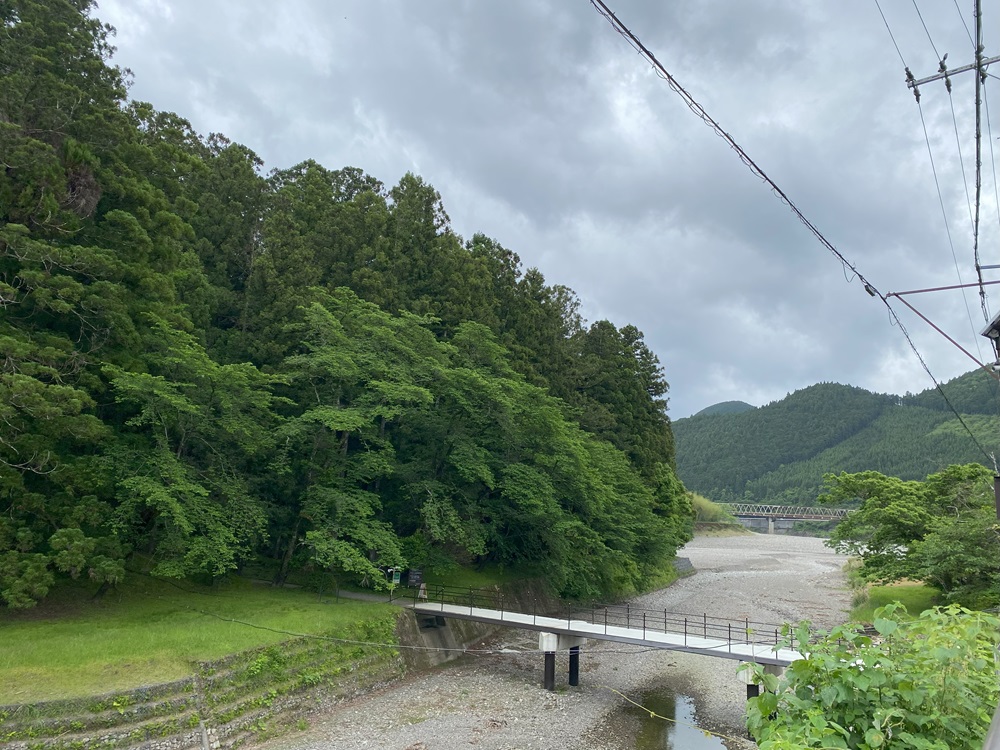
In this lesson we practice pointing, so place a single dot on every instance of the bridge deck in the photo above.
(689, 642)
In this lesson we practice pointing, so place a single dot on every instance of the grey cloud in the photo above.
(542, 128)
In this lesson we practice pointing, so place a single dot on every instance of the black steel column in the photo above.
(574, 666)
(753, 691)
(549, 683)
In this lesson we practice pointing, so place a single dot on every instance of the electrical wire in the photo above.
(927, 31)
(944, 214)
(969, 33)
(692, 104)
(979, 156)
(891, 36)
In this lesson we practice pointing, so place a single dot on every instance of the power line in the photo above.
(944, 213)
(979, 150)
(893, 38)
(968, 33)
(692, 104)
(927, 31)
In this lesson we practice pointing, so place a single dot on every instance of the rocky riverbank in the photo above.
(494, 701)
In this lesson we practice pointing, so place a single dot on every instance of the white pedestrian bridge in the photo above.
(743, 640)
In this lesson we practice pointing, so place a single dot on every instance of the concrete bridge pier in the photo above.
(753, 689)
(549, 643)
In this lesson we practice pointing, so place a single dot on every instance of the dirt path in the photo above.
(495, 702)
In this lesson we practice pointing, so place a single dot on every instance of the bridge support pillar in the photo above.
(574, 666)
(549, 643)
(753, 689)
(770, 525)
(549, 680)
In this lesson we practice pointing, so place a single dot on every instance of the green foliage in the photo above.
(202, 367)
(942, 531)
(705, 511)
(927, 683)
(914, 597)
(725, 407)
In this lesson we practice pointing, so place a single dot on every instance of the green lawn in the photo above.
(149, 631)
(916, 597)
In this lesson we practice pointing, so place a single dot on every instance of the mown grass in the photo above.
(474, 578)
(916, 597)
(148, 631)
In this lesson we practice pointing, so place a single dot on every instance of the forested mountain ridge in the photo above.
(779, 452)
(725, 407)
(202, 366)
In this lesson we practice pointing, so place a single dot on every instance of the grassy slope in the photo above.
(916, 597)
(149, 632)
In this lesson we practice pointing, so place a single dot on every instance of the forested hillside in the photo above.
(780, 452)
(726, 407)
(205, 366)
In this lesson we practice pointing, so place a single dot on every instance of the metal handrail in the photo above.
(609, 615)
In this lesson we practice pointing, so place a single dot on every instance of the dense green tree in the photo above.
(358, 372)
(202, 366)
(87, 246)
(181, 464)
(943, 530)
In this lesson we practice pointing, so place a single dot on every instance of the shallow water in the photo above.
(678, 729)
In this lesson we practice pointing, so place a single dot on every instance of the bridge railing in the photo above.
(690, 625)
(606, 616)
(757, 510)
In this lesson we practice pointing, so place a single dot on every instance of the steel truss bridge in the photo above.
(752, 510)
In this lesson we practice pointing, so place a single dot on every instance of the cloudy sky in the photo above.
(542, 128)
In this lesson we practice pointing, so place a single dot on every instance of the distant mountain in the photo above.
(778, 453)
(726, 407)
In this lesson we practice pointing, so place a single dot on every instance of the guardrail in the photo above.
(607, 615)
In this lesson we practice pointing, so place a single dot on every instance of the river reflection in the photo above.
(659, 734)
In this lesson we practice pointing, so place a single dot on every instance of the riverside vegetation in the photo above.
(204, 368)
(928, 681)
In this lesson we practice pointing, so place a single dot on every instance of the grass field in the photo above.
(149, 631)
(916, 597)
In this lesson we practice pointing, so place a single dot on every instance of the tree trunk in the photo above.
(282, 574)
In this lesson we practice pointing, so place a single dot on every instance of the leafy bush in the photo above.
(924, 684)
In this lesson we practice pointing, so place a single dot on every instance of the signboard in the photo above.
(414, 577)
(395, 577)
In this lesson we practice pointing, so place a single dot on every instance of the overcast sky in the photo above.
(542, 128)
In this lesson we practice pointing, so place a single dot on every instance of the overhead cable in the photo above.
(692, 104)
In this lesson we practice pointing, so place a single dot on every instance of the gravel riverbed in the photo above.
(496, 702)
